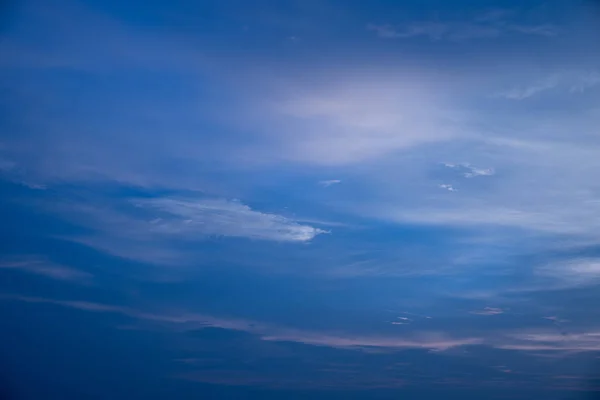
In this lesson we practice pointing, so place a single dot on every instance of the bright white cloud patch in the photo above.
(225, 218)
(330, 182)
(469, 171)
(448, 187)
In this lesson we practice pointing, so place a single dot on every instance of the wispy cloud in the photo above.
(526, 341)
(469, 171)
(489, 25)
(435, 341)
(536, 30)
(448, 187)
(521, 93)
(488, 311)
(329, 182)
(435, 31)
(38, 266)
(268, 332)
(342, 120)
(552, 341)
(166, 230)
(562, 83)
(572, 272)
(585, 81)
(224, 218)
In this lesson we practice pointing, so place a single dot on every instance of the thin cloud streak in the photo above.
(439, 341)
(44, 268)
(162, 230)
(267, 332)
(224, 218)
(330, 182)
(481, 28)
(562, 83)
(488, 311)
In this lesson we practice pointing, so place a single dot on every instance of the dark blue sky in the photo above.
(299, 199)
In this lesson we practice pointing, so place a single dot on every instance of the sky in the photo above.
(299, 199)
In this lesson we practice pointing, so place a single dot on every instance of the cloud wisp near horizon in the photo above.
(295, 176)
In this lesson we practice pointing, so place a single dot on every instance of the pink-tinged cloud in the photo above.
(434, 341)
(269, 332)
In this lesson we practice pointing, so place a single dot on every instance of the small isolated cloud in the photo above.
(449, 188)
(330, 182)
(555, 319)
(469, 171)
(479, 172)
(224, 218)
(488, 311)
(503, 368)
(44, 268)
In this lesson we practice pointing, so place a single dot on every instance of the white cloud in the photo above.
(425, 340)
(479, 172)
(163, 230)
(224, 218)
(488, 311)
(562, 82)
(546, 188)
(524, 340)
(269, 332)
(469, 171)
(435, 31)
(448, 187)
(585, 81)
(483, 27)
(329, 182)
(552, 341)
(521, 93)
(41, 267)
(384, 120)
(402, 321)
(347, 120)
(572, 272)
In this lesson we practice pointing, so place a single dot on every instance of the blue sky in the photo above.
(299, 199)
